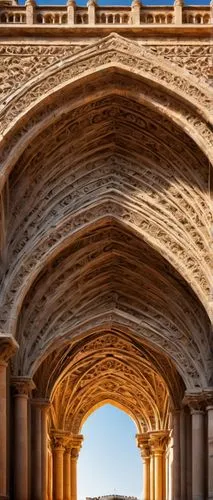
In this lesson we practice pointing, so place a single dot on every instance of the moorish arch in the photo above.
(105, 236)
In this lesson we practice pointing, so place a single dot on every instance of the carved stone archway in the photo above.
(106, 234)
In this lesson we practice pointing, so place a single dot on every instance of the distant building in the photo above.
(112, 497)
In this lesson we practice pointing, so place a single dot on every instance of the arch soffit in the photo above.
(122, 323)
(112, 52)
(121, 374)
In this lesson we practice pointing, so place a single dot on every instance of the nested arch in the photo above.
(110, 367)
(97, 182)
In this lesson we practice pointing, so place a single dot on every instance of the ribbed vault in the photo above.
(109, 367)
(106, 220)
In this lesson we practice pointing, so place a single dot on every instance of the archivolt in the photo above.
(106, 156)
(109, 368)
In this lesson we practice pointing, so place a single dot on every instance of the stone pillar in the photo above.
(176, 456)
(22, 387)
(58, 466)
(36, 488)
(30, 9)
(39, 448)
(143, 444)
(198, 455)
(71, 6)
(188, 419)
(8, 347)
(67, 473)
(152, 477)
(136, 11)
(209, 411)
(45, 405)
(178, 8)
(211, 12)
(183, 453)
(91, 5)
(157, 442)
(76, 444)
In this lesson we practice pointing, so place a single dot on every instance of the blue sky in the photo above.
(118, 2)
(109, 461)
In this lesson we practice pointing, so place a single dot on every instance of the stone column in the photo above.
(67, 473)
(39, 448)
(136, 11)
(8, 347)
(76, 444)
(152, 477)
(176, 456)
(143, 444)
(22, 387)
(36, 488)
(58, 466)
(71, 6)
(91, 5)
(198, 455)
(45, 405)
(157, 442)
(178, 8)
(208, 394)
(210, 451)
(30, 8)
(183, 453)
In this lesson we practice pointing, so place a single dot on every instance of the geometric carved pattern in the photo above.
(107, 224)
(111, 368)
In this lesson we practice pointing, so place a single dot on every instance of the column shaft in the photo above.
(8, 347)
(58, 486)
(44, 451)
(152, 478)
(210, 452)
(183, 453)
(36, 453)
(176, 456)
(67, 475)
(3, 429)
(73, 477)
(198, 456)
(158, 461)
(146, 478)
(21, 447)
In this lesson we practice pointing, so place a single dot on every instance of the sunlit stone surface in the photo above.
(106, 241)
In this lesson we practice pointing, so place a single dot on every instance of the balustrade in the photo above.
(14, 14)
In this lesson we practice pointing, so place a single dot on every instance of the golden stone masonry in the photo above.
(106, 236)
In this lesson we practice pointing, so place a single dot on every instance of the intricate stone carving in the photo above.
(8, 348)
(22, 386)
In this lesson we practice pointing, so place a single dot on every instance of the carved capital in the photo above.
(60, 440)
(158, 441)
(76, 444)
(8, 348)
(199, 401)
(22, 386)
(144, 445)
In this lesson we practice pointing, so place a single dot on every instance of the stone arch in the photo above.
(168, 90)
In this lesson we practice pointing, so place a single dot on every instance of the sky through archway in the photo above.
(109, 462)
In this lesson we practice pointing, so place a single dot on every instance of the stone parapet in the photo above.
(72, 14)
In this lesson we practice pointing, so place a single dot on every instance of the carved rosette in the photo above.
(22, 386)
(8, 348)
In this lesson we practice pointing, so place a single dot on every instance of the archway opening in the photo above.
(110, 454)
